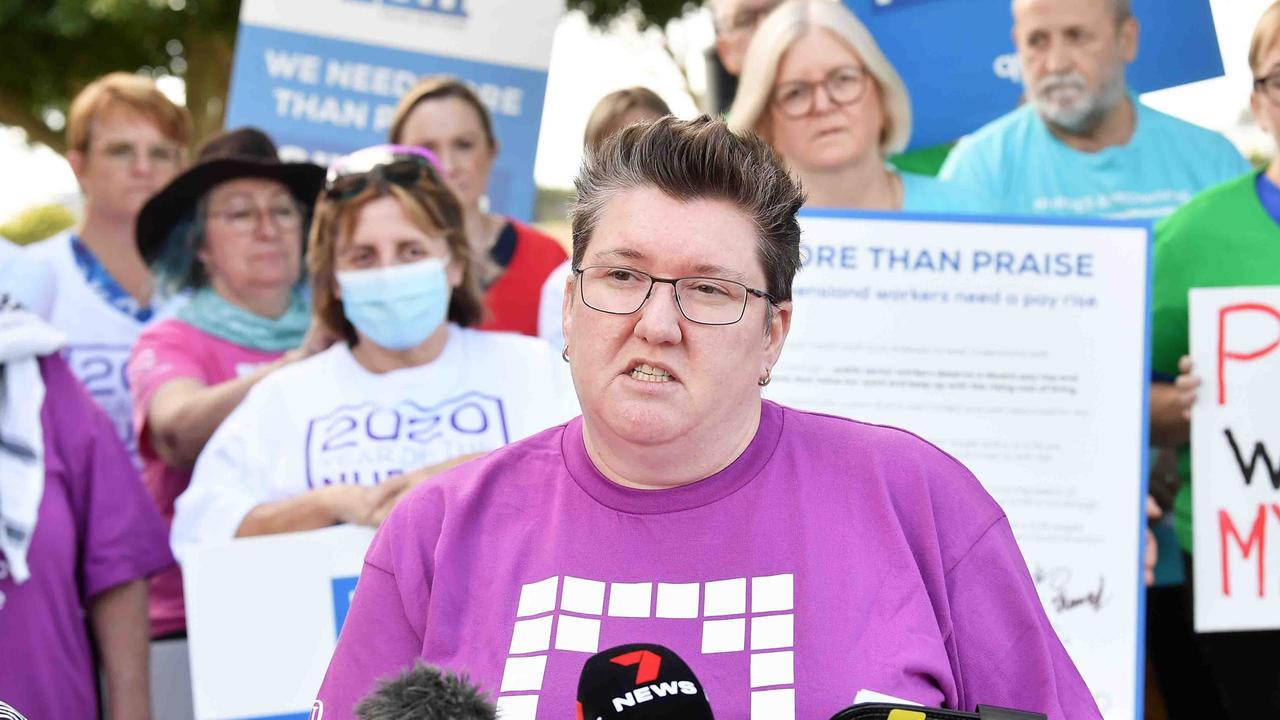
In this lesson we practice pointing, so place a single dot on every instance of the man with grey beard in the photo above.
(1083, 144)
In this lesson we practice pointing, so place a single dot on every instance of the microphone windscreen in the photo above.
(426, 693)
(638, 682)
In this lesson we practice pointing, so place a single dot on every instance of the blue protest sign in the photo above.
(322, 77)
(957, 56)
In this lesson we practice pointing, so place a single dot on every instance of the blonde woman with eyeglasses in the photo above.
(816, 86)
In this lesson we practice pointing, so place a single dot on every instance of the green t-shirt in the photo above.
(1223, 237)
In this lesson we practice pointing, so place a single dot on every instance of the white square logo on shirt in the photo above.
(630, 599)
(677, 600)
(531, 636)
(537, 598)
(772, 593)
(577, 634)
(725, 597)
(583, 596)
(722, 636)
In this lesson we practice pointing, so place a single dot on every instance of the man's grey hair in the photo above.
(1123, 9)
(694, 160)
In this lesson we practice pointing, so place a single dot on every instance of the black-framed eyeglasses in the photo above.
(1269, 86)
(845, 85)
(401, 165)
(702, 300)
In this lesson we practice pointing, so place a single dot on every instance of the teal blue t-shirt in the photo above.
(1016, 159)
(921, 193)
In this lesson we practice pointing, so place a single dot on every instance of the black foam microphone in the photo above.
(426, 693)
(640, 681)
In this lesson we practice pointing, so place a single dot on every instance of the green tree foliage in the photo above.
(53, 48)
(649, 12)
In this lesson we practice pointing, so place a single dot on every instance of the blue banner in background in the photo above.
(958, 61)
(325, 97)
(344, 589)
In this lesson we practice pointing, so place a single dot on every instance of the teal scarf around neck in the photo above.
(210, 312)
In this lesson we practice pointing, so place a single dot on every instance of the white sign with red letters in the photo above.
(1235, 444)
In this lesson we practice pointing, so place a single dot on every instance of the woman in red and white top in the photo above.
(443, 115)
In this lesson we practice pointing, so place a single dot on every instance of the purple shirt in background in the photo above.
(832, 556)
(96, 529)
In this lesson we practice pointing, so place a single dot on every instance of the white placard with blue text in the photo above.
(263, 616)
(1020, 347)
(322, 77)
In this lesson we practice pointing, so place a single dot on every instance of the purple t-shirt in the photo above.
(96, 529)
(832, 556)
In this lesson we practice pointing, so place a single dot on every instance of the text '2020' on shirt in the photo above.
(99, 334)
(328, 421)
(830, 557)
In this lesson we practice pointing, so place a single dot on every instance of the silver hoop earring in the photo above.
(768, 376)
(565, 354)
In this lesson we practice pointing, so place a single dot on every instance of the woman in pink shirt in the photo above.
(229, 230)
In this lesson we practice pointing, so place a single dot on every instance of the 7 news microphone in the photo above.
(640, 681)
(643, 681)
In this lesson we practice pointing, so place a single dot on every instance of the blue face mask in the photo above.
(396, 307)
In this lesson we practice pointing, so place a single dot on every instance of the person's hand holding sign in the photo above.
(1171, 406)
(1151, 556)
(1187, 385)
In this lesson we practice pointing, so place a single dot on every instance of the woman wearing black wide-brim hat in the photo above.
(230, 231)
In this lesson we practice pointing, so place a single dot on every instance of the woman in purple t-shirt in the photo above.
(791, 559)
(80, 538)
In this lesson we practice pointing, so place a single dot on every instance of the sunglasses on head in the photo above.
(401, 165)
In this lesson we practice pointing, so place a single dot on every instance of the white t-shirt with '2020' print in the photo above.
(327, 420)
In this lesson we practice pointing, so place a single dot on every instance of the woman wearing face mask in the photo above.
(409, 389)
(444, 116)
(229, 230)
(816, 86)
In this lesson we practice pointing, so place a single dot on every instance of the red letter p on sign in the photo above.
(1224, 354)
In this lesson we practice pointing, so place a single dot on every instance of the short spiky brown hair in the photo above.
(693, 160)
(430, 206)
